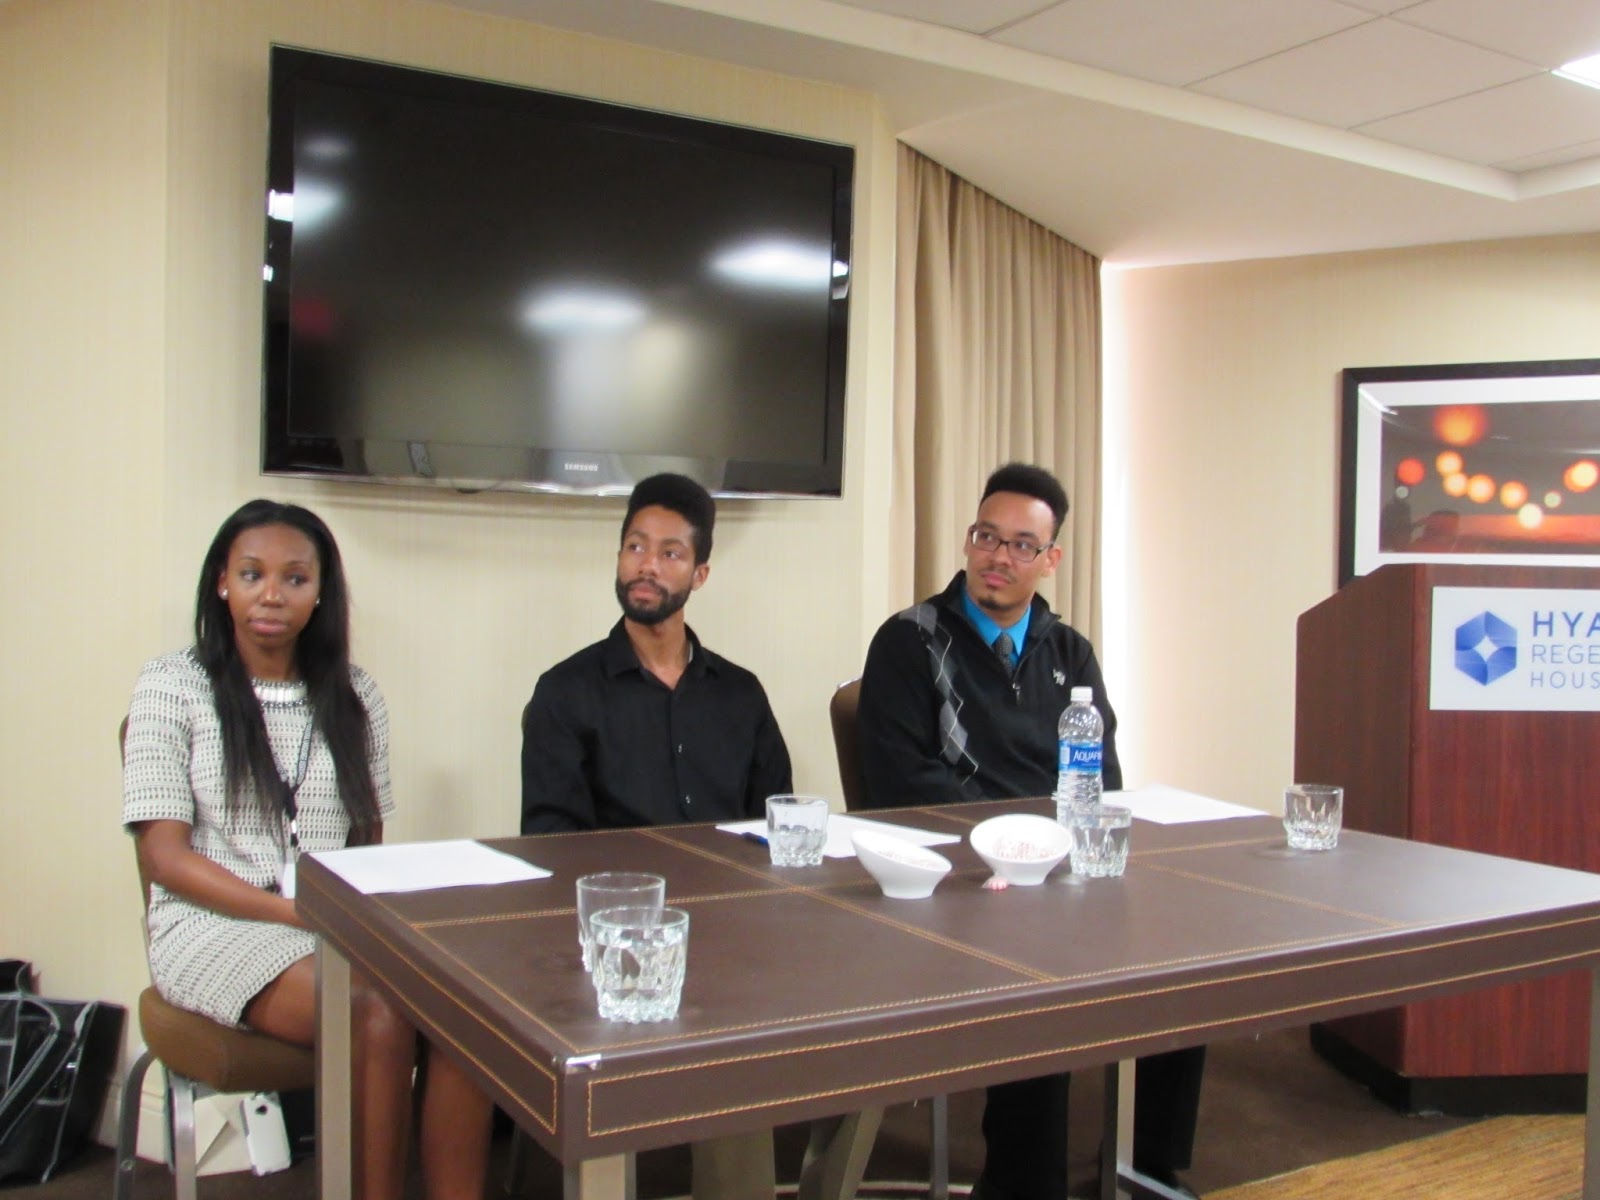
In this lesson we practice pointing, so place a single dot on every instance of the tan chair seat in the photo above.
(228, 1060)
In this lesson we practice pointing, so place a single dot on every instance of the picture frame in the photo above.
(1470, 463)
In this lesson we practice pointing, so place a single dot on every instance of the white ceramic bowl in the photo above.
(904, 871)
(1020, 847)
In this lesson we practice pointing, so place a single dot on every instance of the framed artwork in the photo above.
(1479, 463)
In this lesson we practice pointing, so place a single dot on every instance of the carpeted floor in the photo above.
(1269, 1106)
(1495, 1159)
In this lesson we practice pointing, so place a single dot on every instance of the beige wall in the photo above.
(82, 369)
(132, 137)
(1230, 407)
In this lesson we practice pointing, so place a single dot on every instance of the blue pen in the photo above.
(753, 837)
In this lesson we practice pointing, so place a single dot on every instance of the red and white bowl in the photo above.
(1020, 847)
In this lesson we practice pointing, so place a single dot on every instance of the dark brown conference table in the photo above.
(810, 994)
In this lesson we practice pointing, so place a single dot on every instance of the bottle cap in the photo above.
(1083, 695)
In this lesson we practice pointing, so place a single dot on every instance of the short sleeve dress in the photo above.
(173, 770)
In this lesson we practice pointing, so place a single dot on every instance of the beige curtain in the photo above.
(997, 358)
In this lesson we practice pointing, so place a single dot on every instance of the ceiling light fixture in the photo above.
(1582, 70)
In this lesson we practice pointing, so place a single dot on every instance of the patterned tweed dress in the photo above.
(173, 770)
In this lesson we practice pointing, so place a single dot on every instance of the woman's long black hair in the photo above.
(322, 656)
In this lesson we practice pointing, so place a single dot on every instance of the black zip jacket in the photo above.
(942, 720)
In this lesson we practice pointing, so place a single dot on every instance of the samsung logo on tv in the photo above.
(580, 466)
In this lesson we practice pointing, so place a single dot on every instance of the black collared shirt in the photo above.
(606, 745)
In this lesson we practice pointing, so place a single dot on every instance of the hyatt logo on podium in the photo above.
(1486, 648)
(1515, 650)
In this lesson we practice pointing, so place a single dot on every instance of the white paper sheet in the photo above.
(840, 827)
(420, 866)
(1172, 806)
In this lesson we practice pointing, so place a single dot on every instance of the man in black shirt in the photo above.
(648, 727)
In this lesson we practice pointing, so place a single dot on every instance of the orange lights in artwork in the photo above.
(1581, 475)
(1410, 471)
(1460, 465)
(1461, 424)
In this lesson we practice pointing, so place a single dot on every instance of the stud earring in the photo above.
(318, 604)
(224, 593)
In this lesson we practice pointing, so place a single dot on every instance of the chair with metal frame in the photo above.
(842, 707)
(199, 1055)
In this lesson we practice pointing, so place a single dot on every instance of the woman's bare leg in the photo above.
(454, 1133)
(385, 1054)
(287, 1007)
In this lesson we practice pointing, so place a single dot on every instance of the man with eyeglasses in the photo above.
(960, 698)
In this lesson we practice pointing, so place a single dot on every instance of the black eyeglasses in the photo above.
(1021, 551)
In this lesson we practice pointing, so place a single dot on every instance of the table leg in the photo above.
(1591, 1120)
(610, 1178)
(939, 1148)
(334, 1057)
(1116, 1140)
(1116, 1132)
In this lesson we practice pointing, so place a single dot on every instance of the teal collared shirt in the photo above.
(989, 629)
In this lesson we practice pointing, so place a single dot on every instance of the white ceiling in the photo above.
(1169, 131)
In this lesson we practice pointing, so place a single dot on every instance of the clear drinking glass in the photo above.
(797, 830)
(640, 957)
(1099, 838)
(1312, 815)
(614, 889)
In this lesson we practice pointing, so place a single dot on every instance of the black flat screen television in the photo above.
(477, 285)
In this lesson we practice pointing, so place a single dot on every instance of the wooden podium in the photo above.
(1520, 784)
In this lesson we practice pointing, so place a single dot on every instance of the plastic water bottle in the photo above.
(1080, 741)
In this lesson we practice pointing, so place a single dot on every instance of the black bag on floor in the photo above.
(16, 975)
(57, 1067)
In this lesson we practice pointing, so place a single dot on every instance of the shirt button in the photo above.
(680, 747)
(688, 800)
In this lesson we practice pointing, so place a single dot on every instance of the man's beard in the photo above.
(652, 612)
(984, 594)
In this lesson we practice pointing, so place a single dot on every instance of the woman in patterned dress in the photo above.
(259, 742)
